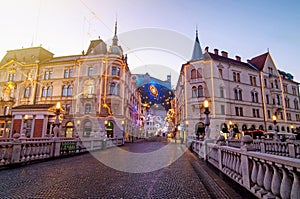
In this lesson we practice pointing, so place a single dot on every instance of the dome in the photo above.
(116, 50)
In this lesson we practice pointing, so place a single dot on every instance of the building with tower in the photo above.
(95, 89)
(243, 95)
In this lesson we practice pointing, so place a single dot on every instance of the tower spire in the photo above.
(197, 52)
(115, 38)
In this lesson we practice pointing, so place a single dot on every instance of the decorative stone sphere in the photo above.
(247, 139)
(16, 136)
(221, 138)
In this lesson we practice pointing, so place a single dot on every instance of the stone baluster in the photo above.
(286, 185)
(260, 178)
(254, 173)
(295, 192)
(268, 179)
(276, 180)
(291, 149)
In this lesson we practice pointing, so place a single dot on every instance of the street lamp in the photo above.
(274, 118)
(56, 129)
(206, 121)
(292, 128)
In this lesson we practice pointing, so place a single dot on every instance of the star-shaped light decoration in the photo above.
(153, 90)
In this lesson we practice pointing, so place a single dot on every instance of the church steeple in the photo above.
(197, 52)
(115, 38)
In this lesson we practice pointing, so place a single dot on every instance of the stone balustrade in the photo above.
(289, 148)
(269, 172)
(21, 150)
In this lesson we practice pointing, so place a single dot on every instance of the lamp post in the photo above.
(207, 120)
(274, 118)
(56, 129)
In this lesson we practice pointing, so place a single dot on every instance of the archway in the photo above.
(69, 129)
(109, 128)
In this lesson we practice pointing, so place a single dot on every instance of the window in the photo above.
(90, 88)
(298, 117)
(267, 99)
(234, 76)
(239, 111)
(221, 72)
(44, 92)
(266, 84)
(222, 110)
(252, 80)
(112, 88)
(285, 88)
(199, 73)
(222, 92)
(289, 116)
(296, 104)
(87, 128)
(238, 77)
(11, 77)
(6, 110)
(90, 71)
(49, 91)
(193, 74)
(294, 90)
(66, 73)
(194, 92)
(200, 91)
(276, 83)
(27, 92)
(48, 75)
(238, 95)
(87, 108)
(68, 109)
(287, 102)
(70, 90)
(278, 99)
(64, 91)
(255, 112)
(269, 114)
(116, 71)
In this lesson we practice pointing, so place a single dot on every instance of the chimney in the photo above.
(238, 58)
(224, 54)
(216, 51)
(206, 49)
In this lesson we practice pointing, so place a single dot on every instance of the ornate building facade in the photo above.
(243, 95)
(95, 89)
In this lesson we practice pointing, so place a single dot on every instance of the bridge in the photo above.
(75, 168)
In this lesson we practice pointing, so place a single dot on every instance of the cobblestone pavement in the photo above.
(83, 176)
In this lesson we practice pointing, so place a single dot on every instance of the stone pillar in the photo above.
(16, 152)
(56, 147)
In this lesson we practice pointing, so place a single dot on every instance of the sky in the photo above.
(244, 28)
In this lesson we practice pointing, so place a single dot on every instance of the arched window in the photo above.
(70, 90)
(270, 127)
(89, 87)
(64, 91)
(234, 76)
(90, 71)
(44, 92)
(87, 108)
(87, 128)
(283, 128)
(199, 73)
(112, 88)
(200, 91)
(194, 91)
(193, 74)
(49, 91)
(69, 129)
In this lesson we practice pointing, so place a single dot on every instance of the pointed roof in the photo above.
(259, 61)
(197, 52)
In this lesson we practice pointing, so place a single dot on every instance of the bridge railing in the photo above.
(20, 150)
(264, 174)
